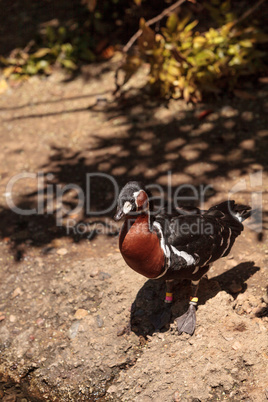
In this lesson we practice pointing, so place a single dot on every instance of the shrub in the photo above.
(186, 63)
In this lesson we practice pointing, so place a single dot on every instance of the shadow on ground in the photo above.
(146, 142)
(151, 314)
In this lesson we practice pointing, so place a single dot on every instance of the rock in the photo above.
(22, 342)
(104, 275)
(2, 317)
(237, 345)
(112, 389)
(177, 397)
(73, 330)
(17, 292)
(100, 321)
(265, 298)
(253, 301)
(80, 313)
(12, 318)
(249, 359)
(40, 321)
(94, 272)
(62, 251)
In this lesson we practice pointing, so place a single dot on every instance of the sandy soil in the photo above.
(66, 299)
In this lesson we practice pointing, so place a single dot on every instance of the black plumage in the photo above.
(176, 245)
(205, 235)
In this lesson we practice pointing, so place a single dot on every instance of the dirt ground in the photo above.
(66, 299)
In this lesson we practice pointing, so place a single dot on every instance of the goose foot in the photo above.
(186, 322)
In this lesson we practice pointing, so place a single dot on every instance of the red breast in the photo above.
(140, 247)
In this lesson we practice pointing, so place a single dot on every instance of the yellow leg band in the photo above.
(194, 299)
(169, 297)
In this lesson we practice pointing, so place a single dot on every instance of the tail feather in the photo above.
(242, 212)
(232, 214)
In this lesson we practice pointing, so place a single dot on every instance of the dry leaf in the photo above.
(3, 86)
(204, 114)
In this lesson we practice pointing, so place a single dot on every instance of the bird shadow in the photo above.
(150, 314)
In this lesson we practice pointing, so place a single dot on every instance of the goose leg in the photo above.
(186, 322)
(169, 291)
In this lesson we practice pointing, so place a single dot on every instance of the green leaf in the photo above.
(31, 69)
(190, 26)
(50, 34)
(205, 56)
(69, 64)
(246, 43)
(4, 61)
(172, 70)
(87, 55)
(172, 23)
(8, 71)
(42, 52)
(62, 33)
(42, 65)
(183, 22)
(199, 41)
(67, 48)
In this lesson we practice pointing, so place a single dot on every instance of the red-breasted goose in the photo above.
(177, 245)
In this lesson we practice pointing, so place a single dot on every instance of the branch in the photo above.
(247, 13)
(152, 21)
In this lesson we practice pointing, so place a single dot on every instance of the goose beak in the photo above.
(119, 214)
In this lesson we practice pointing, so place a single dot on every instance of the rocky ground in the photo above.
(66, 299)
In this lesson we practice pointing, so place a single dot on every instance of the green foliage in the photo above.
(58, 46)
(185, 63)
(82, 41)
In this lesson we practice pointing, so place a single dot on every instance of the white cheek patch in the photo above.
(127, 207)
